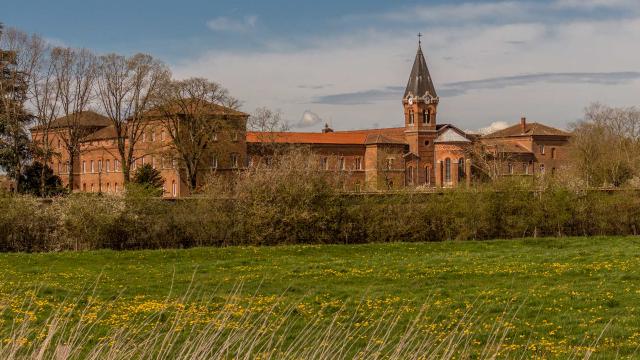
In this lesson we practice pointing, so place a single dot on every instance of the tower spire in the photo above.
(420, 83)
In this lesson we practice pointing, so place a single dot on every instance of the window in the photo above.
(153, 162)
(541, 168)
(99, 166)
(67, 167)
(425, 117)
(358, 163)
(510, 168)
(134, 165)
(461, 169)
(324, 163)
(234, 160)
(341, 165)
(541, 146)
(525, 168)
(115, 187)
(234, 136)
(92, 187)
(84, 167)
(426, 143)
(116, 165)
(447, 170)
(142, 161)
(553, 153)
(59, 167)
(389, 163)
(84, 187)
(162, 135)
(153, 136)
(58, 143)
(108, 187)
(108, 165)
(214, 162)
(174, 163)
(410, 175)
(92, 167)
(411, 117)
(214, 137)
(427, 175)
(429, 114)
(174, 189)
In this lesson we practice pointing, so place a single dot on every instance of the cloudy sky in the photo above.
(347, 62)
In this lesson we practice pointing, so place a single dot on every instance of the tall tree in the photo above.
(44, 96)
(75, 75)
(194, 112)
(14, 119)
(125, 89)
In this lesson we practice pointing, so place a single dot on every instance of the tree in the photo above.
(194, 112)
(605, 146)
(147, 176)
(44, 96)
(14, 118)
(126, 87)
(31, 181)
(75, 75)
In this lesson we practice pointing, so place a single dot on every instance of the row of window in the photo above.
(541, 149)
(526, 168)
(342, 164)
(426, 116)
(116, 189)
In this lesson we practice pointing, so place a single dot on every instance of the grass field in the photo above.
(556, 298)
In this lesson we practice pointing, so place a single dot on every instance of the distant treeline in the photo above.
(291, 206)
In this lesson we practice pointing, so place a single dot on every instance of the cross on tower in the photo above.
(419, 38)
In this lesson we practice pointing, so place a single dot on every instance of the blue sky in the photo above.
(346, 62)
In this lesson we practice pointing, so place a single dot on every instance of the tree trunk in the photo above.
(72, 158)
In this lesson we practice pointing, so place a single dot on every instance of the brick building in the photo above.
(421, 153)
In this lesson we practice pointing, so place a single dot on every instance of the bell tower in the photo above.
(420, 103)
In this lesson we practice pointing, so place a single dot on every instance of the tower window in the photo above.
(425, 117)
(426, 143)
(411, 117)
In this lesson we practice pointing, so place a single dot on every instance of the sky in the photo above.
(346, 63)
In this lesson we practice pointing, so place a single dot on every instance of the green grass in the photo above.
(565, 291)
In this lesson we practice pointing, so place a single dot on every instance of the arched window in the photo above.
(174, 189)
(425, 117)
(429, 114)
(553, 153)
(410, 175)
(461, 170)
(510, 168)
(427, 175)
(447, 170)
(411, 117)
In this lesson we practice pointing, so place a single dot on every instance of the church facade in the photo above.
(422, 153)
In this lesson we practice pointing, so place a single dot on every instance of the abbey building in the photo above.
(422, 153)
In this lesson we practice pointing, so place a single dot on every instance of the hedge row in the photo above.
(82, 222)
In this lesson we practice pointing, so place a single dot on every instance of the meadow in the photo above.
(545, 298)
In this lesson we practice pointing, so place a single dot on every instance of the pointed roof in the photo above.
(420, 82)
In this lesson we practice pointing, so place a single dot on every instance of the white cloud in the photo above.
(233, 25)
(494, 126)
(308, 119)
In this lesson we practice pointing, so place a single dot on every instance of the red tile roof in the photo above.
(531, 129)
(350, 137)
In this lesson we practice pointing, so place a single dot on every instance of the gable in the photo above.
(451, 135)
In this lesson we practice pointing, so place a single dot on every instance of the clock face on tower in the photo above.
(410, 100)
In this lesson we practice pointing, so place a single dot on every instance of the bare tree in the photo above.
(267, 125)
(75, 76)
(489, 159)
(126, 87)
(44, 96)
(605, 146)
(194, 112)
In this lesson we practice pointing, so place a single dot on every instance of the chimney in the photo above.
(327, 129)
(523, 124)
